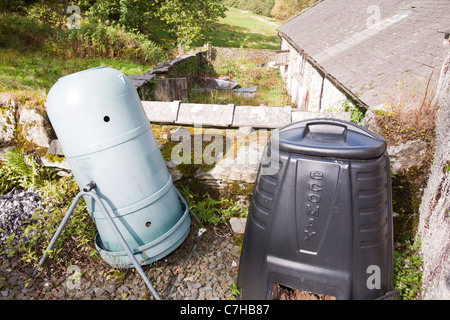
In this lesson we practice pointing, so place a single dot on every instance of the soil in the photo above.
(281, 292)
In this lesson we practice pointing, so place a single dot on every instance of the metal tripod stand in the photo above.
(87, 191)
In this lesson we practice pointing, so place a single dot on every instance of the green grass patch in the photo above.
(34, 71)
(243, 30)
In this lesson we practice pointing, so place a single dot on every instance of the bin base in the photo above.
(152, 251)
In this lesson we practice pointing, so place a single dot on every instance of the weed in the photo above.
(239, 66)
(408, 270)
(22, 171)
(114, 275)
(209, 210)
(234, 292)
(446, 168)
(357, 113)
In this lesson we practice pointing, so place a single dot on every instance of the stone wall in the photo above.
(23, 124)
(230, 115)
(434, 226)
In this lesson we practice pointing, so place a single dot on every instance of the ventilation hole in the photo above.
(106, 119)
(148, 224)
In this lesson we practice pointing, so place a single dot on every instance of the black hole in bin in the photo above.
(148, 224)
(106, 119)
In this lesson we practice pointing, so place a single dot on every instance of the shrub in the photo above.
(21, 32)
(92, 40)
(98, 40)
(284, 9)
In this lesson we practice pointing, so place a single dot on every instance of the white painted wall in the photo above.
(304, 83)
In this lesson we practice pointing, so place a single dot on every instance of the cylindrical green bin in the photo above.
(107, 138)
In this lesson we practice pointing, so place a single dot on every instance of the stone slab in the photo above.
(238, 224)
(142, 77)
(206, 114)
(161, 112)
(262, 117)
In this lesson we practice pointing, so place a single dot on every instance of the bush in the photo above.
(99, 40)
(284, 9)
(92, 40)
(21, 32)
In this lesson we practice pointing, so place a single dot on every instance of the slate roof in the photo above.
(407, 43)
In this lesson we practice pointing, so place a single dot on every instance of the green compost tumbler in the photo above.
(107, 138)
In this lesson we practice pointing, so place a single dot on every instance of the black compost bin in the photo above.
(320, 218)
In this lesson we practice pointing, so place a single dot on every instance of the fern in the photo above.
(17, 170)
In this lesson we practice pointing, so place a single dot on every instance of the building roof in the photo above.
(368, 48)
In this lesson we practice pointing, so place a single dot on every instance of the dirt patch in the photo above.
(281, 292)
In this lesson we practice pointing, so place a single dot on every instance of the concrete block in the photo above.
(206, 114)
(161, 112)
(261, 117)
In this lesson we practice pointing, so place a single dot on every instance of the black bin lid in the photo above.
(331, 138)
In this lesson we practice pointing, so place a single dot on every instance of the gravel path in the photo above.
(202, 268)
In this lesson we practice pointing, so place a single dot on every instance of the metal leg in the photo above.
(87, 191)
(60, 229)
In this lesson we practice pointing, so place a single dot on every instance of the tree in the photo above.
(189, 19)
(185, 20)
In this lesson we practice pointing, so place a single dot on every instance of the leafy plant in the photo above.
(209, 210)
(18, 170)
(408, 270)
(21, 170)
(75, 241)
(234, 292)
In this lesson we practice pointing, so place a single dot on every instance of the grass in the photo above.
(242, 67)
(243, 30)
(34, 71)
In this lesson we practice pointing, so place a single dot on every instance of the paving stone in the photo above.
(261, 117)
(161, 112)
(206, 114)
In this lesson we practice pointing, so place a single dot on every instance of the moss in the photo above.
(446, 167)
(238, 239)
(54, 158)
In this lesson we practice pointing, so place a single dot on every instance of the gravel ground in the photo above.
(202, 268)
